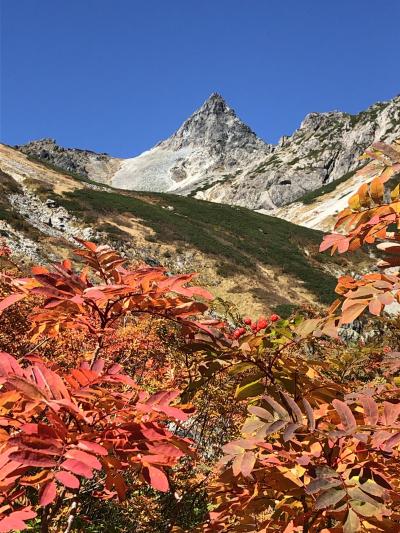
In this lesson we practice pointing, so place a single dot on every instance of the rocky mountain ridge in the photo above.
(214, 156)
(95, 166)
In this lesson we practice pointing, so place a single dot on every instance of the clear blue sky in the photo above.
(120, 75)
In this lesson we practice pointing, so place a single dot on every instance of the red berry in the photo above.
(274, 317)
(247, 320)
(262, 323)
(387, 349)
(238, 332)
(254, 326)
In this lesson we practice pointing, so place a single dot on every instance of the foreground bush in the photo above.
(127, 395)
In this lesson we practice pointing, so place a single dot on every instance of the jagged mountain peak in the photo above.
(215, 125)
(214, 102)
(214, 107)
(211, 144)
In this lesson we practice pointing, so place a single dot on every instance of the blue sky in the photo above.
(117, 76)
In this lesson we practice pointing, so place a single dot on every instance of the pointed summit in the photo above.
(213, 142)
(216, 126)
(214, 103)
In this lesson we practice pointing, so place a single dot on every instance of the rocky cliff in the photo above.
(325, 148)
(85, 163)
(215, 156)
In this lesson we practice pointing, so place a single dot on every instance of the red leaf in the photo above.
(9, 365)
(290, 431)
(77, 467)
(346, 416)
(166, 449)
(28, 458)
(48, 493)
(329, 498)
(375, 307)
(16, 520)
(28, 389)
(92, 447)
(310, 414)
(321, 483)
(115, 480)
(247, 464)
(68, 480)
(330, 240)
(391, 443)
(391, 412)
(353, 310)
(39, 270)
(279, 409)
(296, 411)
(370, 407)
(156, 478)
(10, 300)
(86, 458)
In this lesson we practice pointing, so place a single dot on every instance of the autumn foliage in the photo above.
(122, 389)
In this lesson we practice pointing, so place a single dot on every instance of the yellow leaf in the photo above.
(395, 193)
(293, 478)
(298, 470)
(376, 190)
(311, 373)
(354, 202)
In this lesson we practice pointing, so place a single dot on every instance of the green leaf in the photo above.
(365, 508)
(372, 488)
(240, 367)
(329, 498)
(352, 523)
(321, 484)
(249, 390)
(357, 494)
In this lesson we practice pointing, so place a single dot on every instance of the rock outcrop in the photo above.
(85, 163)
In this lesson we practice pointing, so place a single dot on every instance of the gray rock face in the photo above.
(212, 144)
(216, 157)
(326, 147)
(48, 217)
(98, 167)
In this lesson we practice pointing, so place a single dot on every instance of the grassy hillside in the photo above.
(239, 238)
(269, 254)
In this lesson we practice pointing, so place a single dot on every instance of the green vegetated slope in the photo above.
(238, 237)
(240, 241)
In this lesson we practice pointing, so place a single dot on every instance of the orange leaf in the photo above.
(376, 190)
(375, 307)
(353, 311)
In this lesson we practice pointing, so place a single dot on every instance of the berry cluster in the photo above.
(258, 325)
